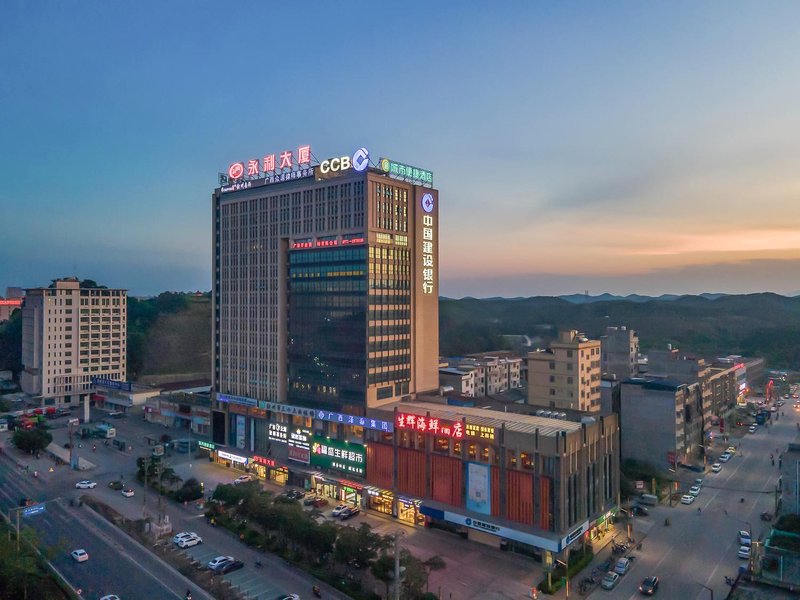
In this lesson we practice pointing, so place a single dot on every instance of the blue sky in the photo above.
(621, 146)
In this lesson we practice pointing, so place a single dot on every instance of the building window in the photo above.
(472, 451)
(512, 458)
(552, 364)
(526, 461)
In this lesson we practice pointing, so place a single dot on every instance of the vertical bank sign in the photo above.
(428, 243)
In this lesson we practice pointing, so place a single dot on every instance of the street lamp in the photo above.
(710, 591)
(566, 576)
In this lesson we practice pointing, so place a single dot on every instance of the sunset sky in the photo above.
(622, 147)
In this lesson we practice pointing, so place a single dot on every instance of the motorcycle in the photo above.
(316, 591)
(765, 516)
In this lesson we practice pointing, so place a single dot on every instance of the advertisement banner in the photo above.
(341, 456)
(240, 432)
(479, 497)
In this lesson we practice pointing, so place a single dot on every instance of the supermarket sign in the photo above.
(338, 456)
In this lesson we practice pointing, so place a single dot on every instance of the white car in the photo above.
(744, 538)
(610, 581)
(339, 509)
(716, 468)
(216, 563)
(80, 555)
(242, 479)
(724, 457)
(110, 597)
(85, 485)
(694, 490)
(190, 541)
(752, 429)
(687, 499)
(183, 534)
(744, 552)
(127, 492)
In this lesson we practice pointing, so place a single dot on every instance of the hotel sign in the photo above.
(406, 171)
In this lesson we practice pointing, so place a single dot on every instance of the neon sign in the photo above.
(254, 167)
(406, 171)
(480, 431)
(427, 204)
(267, 462)
(338, 455)
(434, 425)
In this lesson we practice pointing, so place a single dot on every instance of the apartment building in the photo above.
(484, 375)
(71, 336)
(619, 351)
(567, 374)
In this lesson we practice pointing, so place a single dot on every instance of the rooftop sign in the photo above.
(402, 171)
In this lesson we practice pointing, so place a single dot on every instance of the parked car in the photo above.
(640, 511)
(215, 563)
(189, 541)
(115, 485)
(716, 468)
(649, 586)
(610, 581)
(85, 485)
(231, 565)
(731, 450)
(110, 597)
(182, 535)
(699, 482)
(687, 499)
(338, 510)
(127, 492)
(744, 552)
(349, 512)
(694, 490)
(622, 566)
(752, 429)
(242, 479)
(80, 555)
(724, 457)
(744, 538)
(309, 500)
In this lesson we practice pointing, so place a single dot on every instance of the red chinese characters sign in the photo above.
(433, 425)
(286, 160)
(267, 462)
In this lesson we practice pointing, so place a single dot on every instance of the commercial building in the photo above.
(12, 302)
(190, 412)
(567, 374)
(486, 375)
(619, 352)
(70, 337)
(503, 477)
(325, 301)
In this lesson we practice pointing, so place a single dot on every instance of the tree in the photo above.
(230, 494)
(11, 343)
(383, 569)
(358, 545)
(189, 491)
(31, 440)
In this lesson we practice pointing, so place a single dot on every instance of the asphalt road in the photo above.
(697, 551)
(112, 552)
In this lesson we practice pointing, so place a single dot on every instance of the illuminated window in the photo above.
(512, 458)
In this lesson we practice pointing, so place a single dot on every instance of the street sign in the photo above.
(33, 509)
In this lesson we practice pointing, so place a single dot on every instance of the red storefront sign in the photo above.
(302, 455)
(267, 462)
(432, 425)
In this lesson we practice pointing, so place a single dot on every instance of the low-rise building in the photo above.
(189, 411)
(482, 375)
(121, 396)
(619, 353)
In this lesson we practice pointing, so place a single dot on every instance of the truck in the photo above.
(106, 431)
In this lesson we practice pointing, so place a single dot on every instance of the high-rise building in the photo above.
(70, 335)
(567, 374)
(325, 291)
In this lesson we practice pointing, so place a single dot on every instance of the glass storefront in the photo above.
(408, 511)
(380, 500)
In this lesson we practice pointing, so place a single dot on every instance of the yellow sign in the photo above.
(480, 431)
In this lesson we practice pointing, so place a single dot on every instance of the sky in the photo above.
(621, 147)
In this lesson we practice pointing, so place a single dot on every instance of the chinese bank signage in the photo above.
(340, 456)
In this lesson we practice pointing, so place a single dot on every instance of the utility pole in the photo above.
(18, 531)
(397, 535)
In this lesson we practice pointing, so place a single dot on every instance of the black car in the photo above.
(231, 565)
(640, 511)
(349, 512)
(649, 586)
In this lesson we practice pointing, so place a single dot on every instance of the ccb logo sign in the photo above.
(359, 162)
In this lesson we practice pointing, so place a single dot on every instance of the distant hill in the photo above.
(584, 299)
(754, 324)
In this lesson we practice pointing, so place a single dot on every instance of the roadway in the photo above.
(698, 550)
